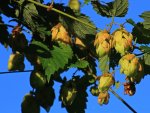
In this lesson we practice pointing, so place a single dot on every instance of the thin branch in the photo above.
(111, 24)
(8, 72)
(2, 24)
(63, 13)
(123, 101)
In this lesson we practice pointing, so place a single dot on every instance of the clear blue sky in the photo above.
(14, 86)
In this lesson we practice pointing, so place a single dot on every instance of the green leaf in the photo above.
(145, 49)
(146, 16)
(146, 64)
(117, 8)
(104, 63)
(3, 33)
(130, 21)
(86, 1)
(80, 64)
(141, 35)
(52, 60)
(120, 8)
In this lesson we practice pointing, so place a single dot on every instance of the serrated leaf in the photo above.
(117, 8)
(80, 64)
(146, 64)
(104, 63)
(141, 35)
(145, 49)
(120, 8)
(53, 59)
(3, 33)
(146, 16)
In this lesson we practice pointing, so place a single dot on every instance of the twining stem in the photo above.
(123, 101)
(7, 72)
(2, 24)
(63, 13)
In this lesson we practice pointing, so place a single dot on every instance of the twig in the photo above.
(123, 101)
(63, 13)
(2, 24)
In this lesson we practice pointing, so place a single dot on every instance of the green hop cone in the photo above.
(45, 97)
(74, 5)
(68, 93)
(37, 80)
(29, 104)
(130, 66)
(122, 40)
(94, 91)
(103, 98)
(103, 43)
(105, 82)
(16, 62)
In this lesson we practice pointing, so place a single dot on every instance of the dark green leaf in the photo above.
(141, 35)
(130, 21)
(80, 64)
(145, 49)
(53, 59)
(146, 16)
(146, 64)
(3, 33)
(104, 64)
(117, 8)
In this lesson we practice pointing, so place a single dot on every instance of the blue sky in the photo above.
(14, 86)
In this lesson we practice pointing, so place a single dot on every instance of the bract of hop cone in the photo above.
(103, 43)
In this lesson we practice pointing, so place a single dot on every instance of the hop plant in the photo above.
(103, 43)
(94, 91)
(131, 67)
(122, 40)
(16, 62)
(103, 98)
(59, 33)
(106, 80)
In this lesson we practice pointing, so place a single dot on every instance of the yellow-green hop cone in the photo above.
(106, 80)
(129, 65)
(122, 40)
(103, 43)
(74, 5)
(103, 98)
(37, 80)
(94, 91)
(16, 62)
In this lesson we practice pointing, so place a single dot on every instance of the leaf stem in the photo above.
(123, 101)
(63, 13)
